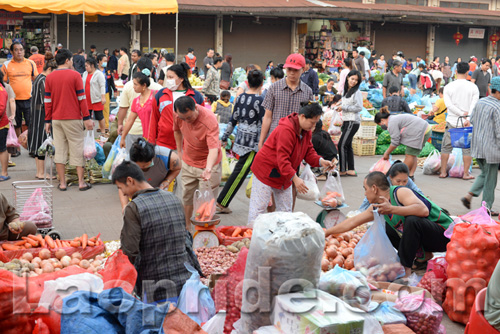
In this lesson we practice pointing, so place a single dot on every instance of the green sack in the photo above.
(379, 130)
(428, 148)
(380, 150)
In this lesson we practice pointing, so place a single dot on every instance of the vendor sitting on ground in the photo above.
(154, 236)
(9, 215)
(327, 91)
(412, 221)
(397, 175)
(395, 103)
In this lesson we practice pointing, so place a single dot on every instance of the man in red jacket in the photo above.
(66, 112)
(275, 165)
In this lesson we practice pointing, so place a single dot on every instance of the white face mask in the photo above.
(170, 84)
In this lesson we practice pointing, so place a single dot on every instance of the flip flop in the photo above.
(470, 177)
(4, 178)
(465, 202)
(443, 177)
(352, 175)
(12, 164)
(494, 213)
(87, 187)
(419, 265)
(62, 189)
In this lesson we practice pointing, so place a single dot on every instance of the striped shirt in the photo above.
(486, 131)
(282, 101)
(65, 96)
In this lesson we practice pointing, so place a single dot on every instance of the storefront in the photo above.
(328, 42)
(29, 29)
(389, 38)
(473, 43)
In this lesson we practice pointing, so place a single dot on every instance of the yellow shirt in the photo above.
(440, 115)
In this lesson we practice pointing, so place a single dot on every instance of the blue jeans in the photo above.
(413, 81)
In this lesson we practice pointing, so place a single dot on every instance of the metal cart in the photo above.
(38, 209)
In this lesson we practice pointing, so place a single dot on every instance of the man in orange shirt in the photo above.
(20, 73)
(196, 133)
(37, 58)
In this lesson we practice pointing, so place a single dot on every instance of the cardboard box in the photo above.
(315, 312)
(267, 330)
(397, 329)
(389, 292)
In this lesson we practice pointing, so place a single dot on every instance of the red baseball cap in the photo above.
(296, 61)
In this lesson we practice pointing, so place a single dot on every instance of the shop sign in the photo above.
(91, 18)
(476, 33)
(11, 18)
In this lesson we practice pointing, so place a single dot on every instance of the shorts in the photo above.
(23, 108)
(68, 139)
(446, 147)
(416, 151)
(3, 139)
(191, 179)
(413, 81)
(98, 114)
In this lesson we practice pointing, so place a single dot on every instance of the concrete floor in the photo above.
(98, 210)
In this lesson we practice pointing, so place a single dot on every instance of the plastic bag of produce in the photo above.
(89, 150)
(374, 255)
(100, 158)
(12, 137)
(432, 165)
(216, 324)
(434, 280)
(335, 128)
(426, 150)
(284, 246)
(332, 193)
(106, 168)
(195, 299)
(36, 209)
(229, 289)
(387, 314)
(47, 147)
(226, 170)
(121, 155)
(457, 170)
(422, 314)
(381, 166)
(312, 193)
(350, 286)
(204, 204)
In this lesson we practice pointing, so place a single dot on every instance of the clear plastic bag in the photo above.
(381, 166)
(89, 150)
(387, 314)
(36, 209)
(457, 170)
(204, 204)
(349, 285)
(195, 299)
(226, 170)
(108, 164)
(47, 147)
(422, 314)
(312, 193)
(12, 137)
(121, 155)
(332, 192)
(289, 245)
(335, 128)
(374, 255)
(216, 324)
(432, 164)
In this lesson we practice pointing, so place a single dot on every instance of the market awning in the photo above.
(91, 7)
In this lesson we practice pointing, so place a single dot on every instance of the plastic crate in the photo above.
(437, 139)
(364, 146)
(368, 129)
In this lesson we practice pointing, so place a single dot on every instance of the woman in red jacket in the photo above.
(275, 165)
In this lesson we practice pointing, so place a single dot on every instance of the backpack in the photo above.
(427, 81)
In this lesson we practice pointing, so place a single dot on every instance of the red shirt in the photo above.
(4, 97)
(65, 96)
(277, 162)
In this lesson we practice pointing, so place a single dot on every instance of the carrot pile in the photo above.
(205, 211)
(238, 233)
(35, 241)
(332, 199)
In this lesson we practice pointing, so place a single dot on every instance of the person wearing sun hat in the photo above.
(485, 146)
(283, 97)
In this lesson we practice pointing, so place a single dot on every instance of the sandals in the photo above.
(87, 187)
(4, 178)
(418, 265)
(12, 164)
(61, 189)
(465, 202)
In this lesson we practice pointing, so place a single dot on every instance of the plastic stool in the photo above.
(477, 322)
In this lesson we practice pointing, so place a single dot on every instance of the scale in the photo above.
(205, 235)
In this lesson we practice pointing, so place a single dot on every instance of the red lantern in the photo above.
(494, 39)
(458, 37)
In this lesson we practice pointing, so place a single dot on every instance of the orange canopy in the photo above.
(91, 7)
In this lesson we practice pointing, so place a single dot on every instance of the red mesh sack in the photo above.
(46, 322)
(434, 280)
(229, 289)
(119, 272)
(472, 255)
(88, 253)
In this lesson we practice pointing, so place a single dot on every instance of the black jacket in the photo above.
(79, 63)
(323, 145)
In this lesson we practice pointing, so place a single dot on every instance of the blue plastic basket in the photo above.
(461, 137)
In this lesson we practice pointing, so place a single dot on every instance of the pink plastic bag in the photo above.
(422, 314)
(479, 216)
(435, 278)
(381, 166)
(37, 210)
(12, 137)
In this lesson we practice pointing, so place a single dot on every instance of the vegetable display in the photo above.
(228, 235)
(472, 255)
(339, 251)
(214, 260)
(423, 315)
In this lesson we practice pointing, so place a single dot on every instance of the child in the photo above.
(223, 107)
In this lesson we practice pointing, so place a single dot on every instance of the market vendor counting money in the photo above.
(11, 228)
(412, 221)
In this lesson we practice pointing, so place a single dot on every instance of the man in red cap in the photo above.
(284, 96)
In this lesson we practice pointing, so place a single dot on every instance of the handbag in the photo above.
(224, 84)
(430, 118)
